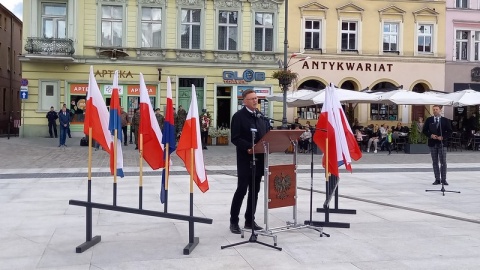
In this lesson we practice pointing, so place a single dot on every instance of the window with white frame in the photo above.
(461, 44)
(54, 20)
(349, 35)
(112, 25)
(263, 32)
(313, 34)
(390, 37)
(190, 29)
(461, 3)
(151, 27)
(227, 30)
(425, 38)
(477, 46)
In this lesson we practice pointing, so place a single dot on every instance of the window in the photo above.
(4, 100)
(227, 30)
(383, 112)
(461, 42)
(263, 32)
(9, 58)
(477, 45)
(390, 37)
(112, 25)
(190, 29)
(151, 27)
(461, 3)
(425, 35)
(349, 36)
(313, 30)
(54, 18)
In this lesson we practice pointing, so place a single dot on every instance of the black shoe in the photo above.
(445, 183)
(70, 137)
(125, 144)
(136, 148)
(436, 182)
(255, 226)
(205, 148)
(59, 145)
(234, 228)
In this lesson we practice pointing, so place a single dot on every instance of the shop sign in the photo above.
(261, 92)
(350, 66)
(248, 75)
(475, 74)
(107, 89)
(110, 72)
(135, 90)
(78, 88)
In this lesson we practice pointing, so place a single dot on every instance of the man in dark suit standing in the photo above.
(438, 129)
(244, 122)
(64, 119)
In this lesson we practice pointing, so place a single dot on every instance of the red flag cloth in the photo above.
(189, 139)
(152, 135)
(97, 115)
(332, 124)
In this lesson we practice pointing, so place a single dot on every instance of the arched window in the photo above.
(310, 112)
(379, 111)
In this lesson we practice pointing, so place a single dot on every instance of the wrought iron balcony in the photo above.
(50, 46)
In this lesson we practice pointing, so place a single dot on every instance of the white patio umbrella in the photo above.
(350, 96)
(291, 95)
(405, 97)
(467, 97)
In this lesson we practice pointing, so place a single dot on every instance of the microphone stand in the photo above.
(442, 181)
(253, 237)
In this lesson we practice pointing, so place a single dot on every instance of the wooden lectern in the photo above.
(280, 180)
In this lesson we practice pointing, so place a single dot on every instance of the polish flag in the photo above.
(152, 135)
(190, 139)
(168, 135)
(96, 115)
(332, 124)
(115, 123)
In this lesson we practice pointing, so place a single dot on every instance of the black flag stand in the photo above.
(253, 237)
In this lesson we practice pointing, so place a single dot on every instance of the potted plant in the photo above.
(417, 141)
(212, 135)
(222, 136)
(285, 77)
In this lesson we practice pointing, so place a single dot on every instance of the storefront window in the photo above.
(383, 112)
(77, 108)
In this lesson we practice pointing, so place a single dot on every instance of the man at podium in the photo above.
(247, 122)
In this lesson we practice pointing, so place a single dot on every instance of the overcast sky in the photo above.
(15, 6)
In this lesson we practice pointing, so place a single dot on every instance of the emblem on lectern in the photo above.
(282, 185)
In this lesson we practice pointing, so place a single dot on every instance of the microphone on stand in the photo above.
(259, 114)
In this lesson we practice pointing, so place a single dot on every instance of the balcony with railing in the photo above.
(50, 47)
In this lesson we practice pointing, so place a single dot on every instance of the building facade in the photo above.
(463, 52)
(223, 47)
(367, 44)
(10, 71)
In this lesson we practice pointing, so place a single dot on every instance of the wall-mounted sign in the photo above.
(78, 88)
(248, 75)
(134, 90)
(260, 91)
(475, 74)
(107, 89)
(110, 72)
(349, 66)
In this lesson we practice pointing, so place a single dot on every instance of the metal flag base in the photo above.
(443, 190)
(191, 246)
(88, 244)
(328, 224)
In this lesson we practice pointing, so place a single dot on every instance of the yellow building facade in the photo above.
(223, 47)
(369, 44)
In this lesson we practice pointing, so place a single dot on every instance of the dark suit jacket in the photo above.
(242, 123)
(444, 129)
(64, 119)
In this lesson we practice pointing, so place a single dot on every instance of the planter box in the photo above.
(210, 140)
(222, 140)
(417, 149)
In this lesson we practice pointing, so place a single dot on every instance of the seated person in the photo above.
(374, 138)
(304, 140)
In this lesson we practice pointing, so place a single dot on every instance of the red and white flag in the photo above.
(332, 124)
(152, 135)
(97, 115)
(190, 139)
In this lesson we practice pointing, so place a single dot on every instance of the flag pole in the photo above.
(115, 167)
(167, 174)
(140, 180)
(192, 171)
(327, 188)
(89, 192)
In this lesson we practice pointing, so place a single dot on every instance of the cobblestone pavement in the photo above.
(45, 153)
